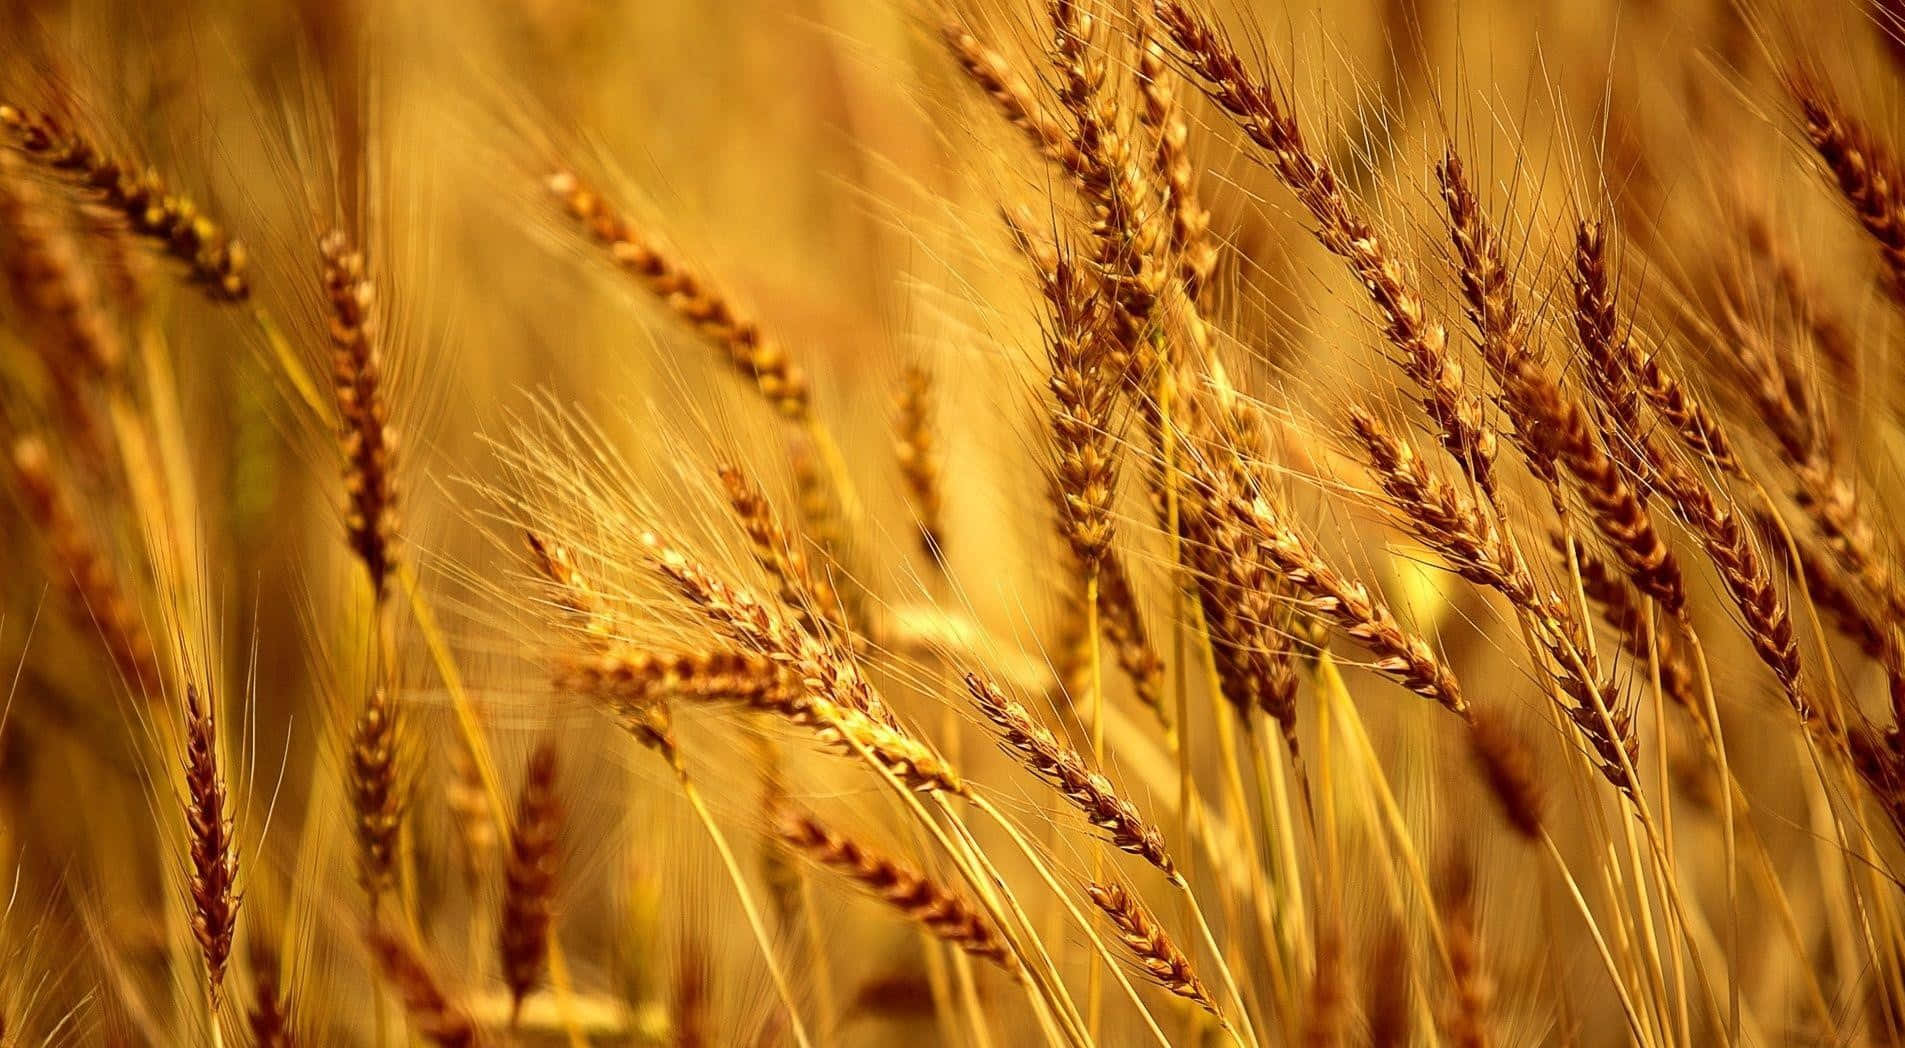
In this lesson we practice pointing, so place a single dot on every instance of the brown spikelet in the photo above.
(472, 815)
(573, 592)
(1849, 615)
(1819, 486)
(1345, 604)
(1325, 1006)
(1149, 945)
(214, 854)
(634, 686)
(639, 686)
(268, 1016)
(1617, 375)
(157, 213)
(1084, 384)
(434, 1014)
(711, 314)
(1126, 223)
(1619, 516)
(913, 449)
(1700, 431)
(1721, 532)
(1623, 373)
(1451, 524)
(691, 1008)
(1163, 119)
(1620, 608)
(52, 286)
(376, 794)
(809, 596)
(899, 995)
(1421, 343)
(1831, 332)
(529, 876)
(369, 442)
(1011, 94)
(1241, 603)
(1386, 986)
(1121, 620)
(1846, 610)
(627, 677)
(1867, 175)
(835, 700)
(1488, 294)
(1508, 766)
(628, 684)
(1729, 545)
(96, 598)
(945, 913)
(1551, 427)
(1607, 352)
(1613, 505)
(1446, 519)
(1090, 791)
(1464, 1015)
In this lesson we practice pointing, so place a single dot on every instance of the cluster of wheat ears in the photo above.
(1073, 698)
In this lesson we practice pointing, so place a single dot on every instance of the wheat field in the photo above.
(958, 522)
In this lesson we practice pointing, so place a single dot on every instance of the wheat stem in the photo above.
(748, 908)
